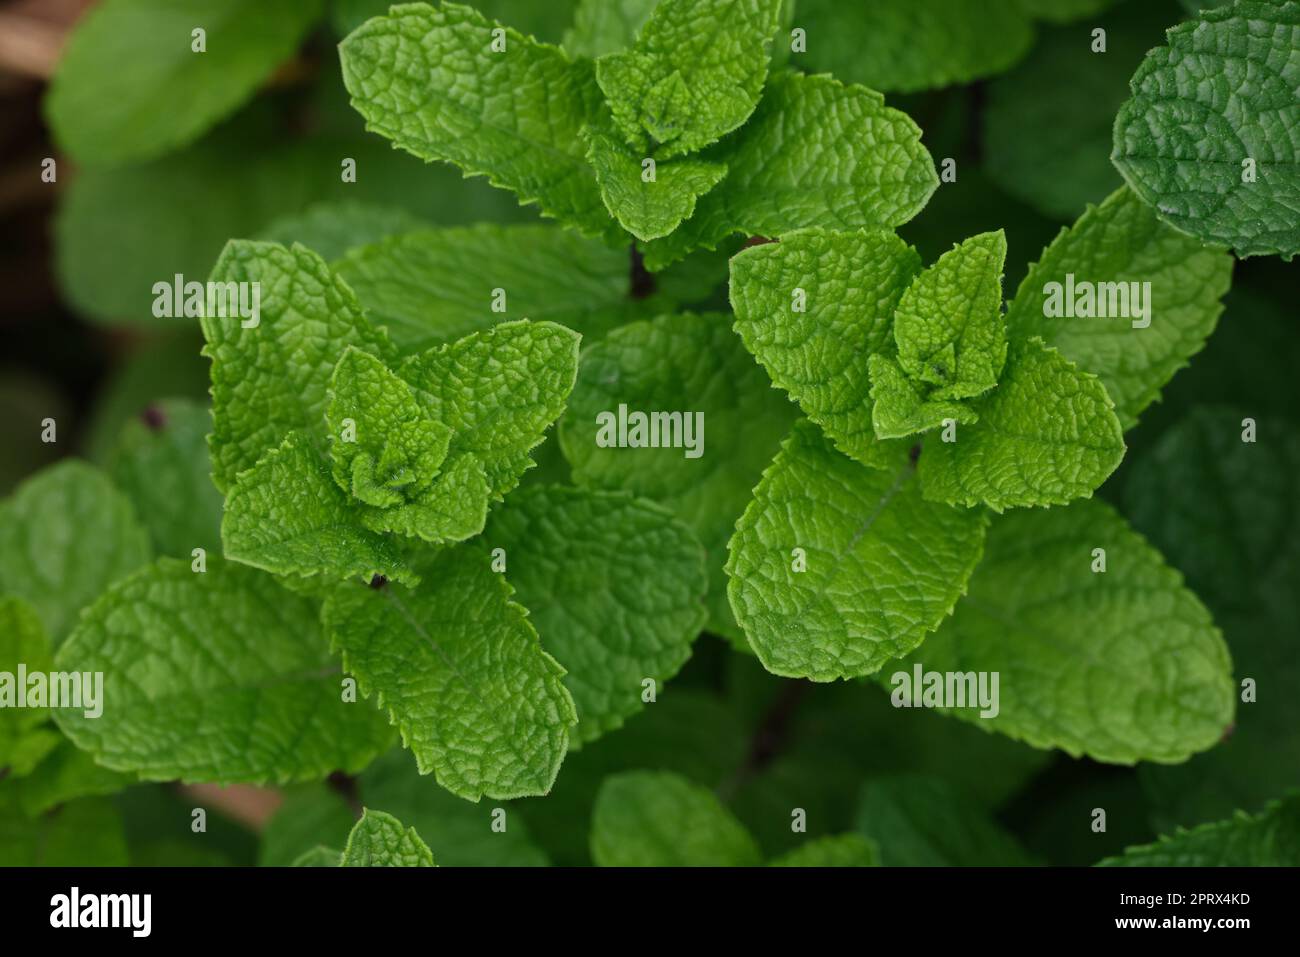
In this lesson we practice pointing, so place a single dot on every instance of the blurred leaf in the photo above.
(25, 402)
(311, 815)
(85, 833)
(332, 228)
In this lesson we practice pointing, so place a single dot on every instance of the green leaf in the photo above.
(270, 379)
(660, 819)
(1046, 435)
(1221, 93)
(815, 153)
(385, 450)
(428, 79)
(654, 208)
(1122, 242)
(380, 840)
(310, 816)
(948, 326)
(221, 676)
(899, 409)
(693, 366)
(606, 26)
(65, 534)
(161, 462)
(923, 821)
(319, 856)
(1123, 665)
(65, 773)
(1268, 839)
(694, 74)
(498, 390)
(850, 285)
(615, 587)
(452, 509)
(437, 285)
(835, 568)
(459, 668)
(334, 228)
(286, 515)
(130, 87)
(839, 850)
(23, 742)
(84, 833)
(908, 45)
(462, 832)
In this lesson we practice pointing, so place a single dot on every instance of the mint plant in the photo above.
(595, 514)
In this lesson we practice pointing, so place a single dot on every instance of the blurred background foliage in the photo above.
(1023, 106)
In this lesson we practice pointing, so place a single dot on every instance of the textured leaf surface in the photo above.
(1222, 91)
(286, 515)
(222, 676)
(660, 819)
(65, 534)
(815, 153)
(459, 667)
(615, 586)
(606, 26)
(270, 379)
(129, 87)
(427, 79)
(884, 566)
(838, 850)
(923, 821)
(948, 326)
(694, 74)
(462, 832)
(499, 390)
(1046, 435)
(433, 286)
(689, 364)
(900, 409)
(1123, 665)
(651, 209)
(907, 45)
(381, 840)
(1268, 839)
(1122, 241)
(853, 283)
(161, 463)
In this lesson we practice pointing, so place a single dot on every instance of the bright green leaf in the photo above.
(838, 850)
(898, 407)
(380, 840)
(1269, 839)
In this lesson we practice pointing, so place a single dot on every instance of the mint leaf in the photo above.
(900, 409)
(908, 45)
(1084, 657)
(948, 326)
(459, 668)
(462, 832)
(920, 820)
(694, 74)
(1046, 435)
(1268, 839)
(1207, 137)
(84, 833)
(647, 209)
(161, 462)
(64, 773)
(498, 390)
(451, 509)
(1105, 261)
(271, 378)
(334, 228)
(23, 740)
(380, 840)
(221, 676)
(835, 569)
(65, 533)
(693, 368)
(815, 153)
(129, 86)
(286, 515)
(385, 451)
(813, 309)
(437, 285)
(839, 850)
(660, 819)
(616, 615)
(429, 80)
(319, 856)
(606, 26)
